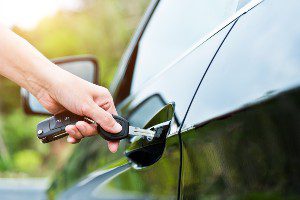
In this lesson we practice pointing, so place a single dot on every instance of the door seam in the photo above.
(189, 106)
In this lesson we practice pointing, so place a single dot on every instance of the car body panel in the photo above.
(227, 102)
(127, 178)
(252, 153)
(91, 155)
(173, 85)
(242, 131)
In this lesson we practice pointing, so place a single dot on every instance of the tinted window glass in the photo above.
(259, 58)
(174, 27)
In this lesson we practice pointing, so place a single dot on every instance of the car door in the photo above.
(157, 79)
(242, 131)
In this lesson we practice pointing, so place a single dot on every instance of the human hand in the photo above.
(55, 88)
(67, 91)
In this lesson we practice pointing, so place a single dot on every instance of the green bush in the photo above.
(19, 131)
(102, 28)
(28, 161)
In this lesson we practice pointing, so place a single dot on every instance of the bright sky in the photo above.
(27, 13)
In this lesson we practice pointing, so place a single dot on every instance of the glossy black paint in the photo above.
(258, 60)
(176, 83)
(128, 177)
(243, 138)
(165, 38)
(240, 137)
(252, 153)
(174, 34)
(143, 152)
(141, 110)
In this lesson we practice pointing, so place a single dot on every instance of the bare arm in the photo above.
(55, 88)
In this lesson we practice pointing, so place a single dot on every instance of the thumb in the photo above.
(102, 117)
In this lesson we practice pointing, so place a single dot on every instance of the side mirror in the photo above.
(85, 67)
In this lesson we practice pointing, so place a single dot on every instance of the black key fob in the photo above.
(53, 128)
(115, 136)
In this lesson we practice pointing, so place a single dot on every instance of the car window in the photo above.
(258, 59)
(242, 3)
(174, 27)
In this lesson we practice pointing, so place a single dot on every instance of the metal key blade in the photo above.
(135, 131)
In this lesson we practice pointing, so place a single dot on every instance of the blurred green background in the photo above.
(99, 27)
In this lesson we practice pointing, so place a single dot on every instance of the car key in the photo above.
(53, 128)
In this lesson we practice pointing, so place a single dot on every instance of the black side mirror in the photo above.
(86, 67)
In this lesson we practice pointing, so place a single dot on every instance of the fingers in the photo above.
(72, 140)
(86, 129)
(113, 146)
(83, 129)
(99, 108)
(107, 105)
(56, 110)
(102, 117)
(73, 132)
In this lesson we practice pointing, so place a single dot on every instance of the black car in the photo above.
(225, 75)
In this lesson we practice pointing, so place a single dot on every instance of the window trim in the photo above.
(129, 52)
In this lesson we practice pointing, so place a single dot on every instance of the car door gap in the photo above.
(190, 104)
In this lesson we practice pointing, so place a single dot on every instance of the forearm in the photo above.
(22, 63)
(54, 87)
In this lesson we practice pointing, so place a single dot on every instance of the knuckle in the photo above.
(105, 91)
(78, 135)
(90, 131)
(110, 100)
(106, 106)
(107, 94)
(68, 128)
(81, 127)
(108, 121)
(86, 108)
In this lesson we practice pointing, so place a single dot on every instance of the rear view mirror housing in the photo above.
(86, 67)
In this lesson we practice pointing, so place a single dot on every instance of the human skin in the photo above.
(57, 89)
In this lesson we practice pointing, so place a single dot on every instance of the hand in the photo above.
(67, 91)
(55, 88)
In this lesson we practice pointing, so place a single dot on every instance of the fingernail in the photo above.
(113, 148)
(69, 139)
(117, 128)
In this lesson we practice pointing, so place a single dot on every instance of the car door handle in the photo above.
(143, 152)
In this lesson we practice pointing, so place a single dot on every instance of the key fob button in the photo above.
(55, 122)
(58, 123)
(66, 120)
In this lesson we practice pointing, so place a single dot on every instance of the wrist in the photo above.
(51, 80)
(40, 79)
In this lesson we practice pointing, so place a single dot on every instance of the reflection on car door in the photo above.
(242, 140)
(170, 87)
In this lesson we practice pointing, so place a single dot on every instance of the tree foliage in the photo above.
(99, 27)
